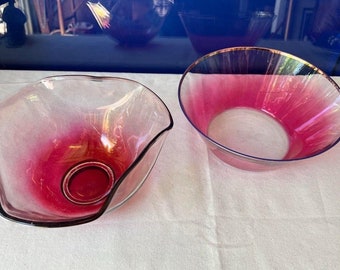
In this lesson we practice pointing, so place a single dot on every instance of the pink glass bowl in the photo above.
(73, 147)
(257, 108)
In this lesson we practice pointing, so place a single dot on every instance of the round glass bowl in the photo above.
(136, 22)
(73, 147)
(257, 107)
(208, 33)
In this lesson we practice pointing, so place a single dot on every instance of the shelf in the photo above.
(161, 55)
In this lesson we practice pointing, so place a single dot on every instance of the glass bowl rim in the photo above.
(136, 161)
(252, 48)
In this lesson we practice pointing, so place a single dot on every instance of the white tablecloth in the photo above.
(195, 212)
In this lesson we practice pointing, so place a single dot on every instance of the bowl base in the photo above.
(88, 182)
(250, 131)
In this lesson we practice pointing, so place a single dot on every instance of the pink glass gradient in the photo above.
(75, 146)
(296, 95)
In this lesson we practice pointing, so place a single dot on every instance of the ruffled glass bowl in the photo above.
(257, 107)
(73, 147)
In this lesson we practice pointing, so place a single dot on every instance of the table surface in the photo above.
(194, 212)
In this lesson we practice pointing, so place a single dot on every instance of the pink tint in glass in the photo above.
(257, 107)
(73, 147)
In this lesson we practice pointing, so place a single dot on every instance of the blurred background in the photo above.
(316, 22)
(294, 19)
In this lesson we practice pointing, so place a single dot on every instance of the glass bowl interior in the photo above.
(261, 105)
(71, 144)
